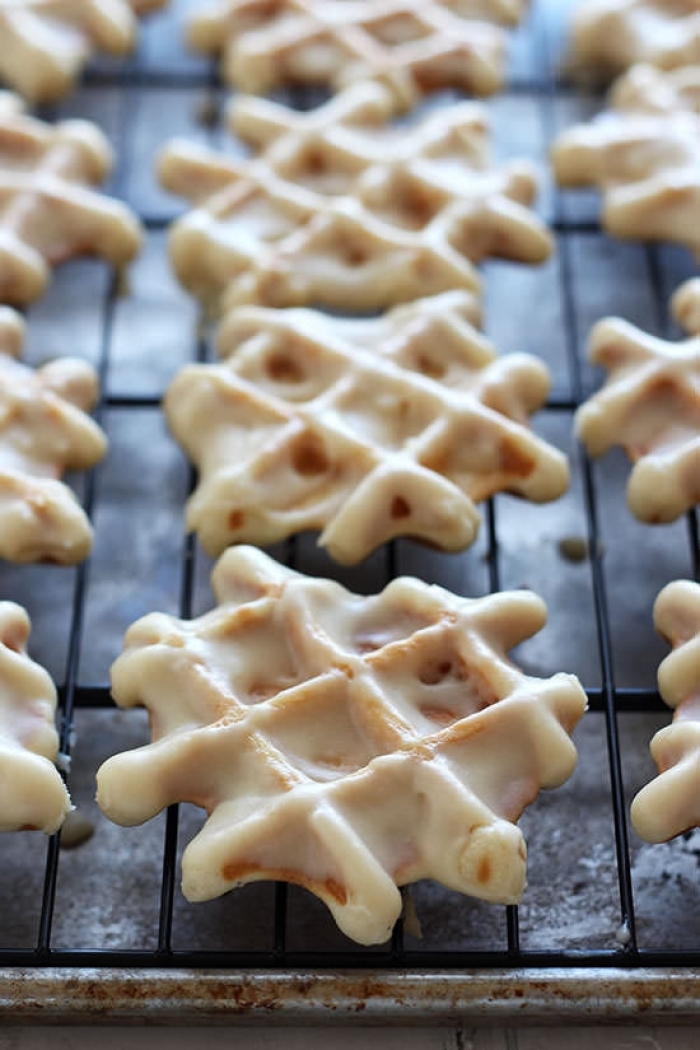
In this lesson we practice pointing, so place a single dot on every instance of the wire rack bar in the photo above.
(494, 575)
(151, 401)
(694, 538)
(131, 75)
(594, 546)
(629, 699)
(69, 694)
(612, 958)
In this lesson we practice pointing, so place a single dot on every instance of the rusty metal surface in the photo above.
(370, 997)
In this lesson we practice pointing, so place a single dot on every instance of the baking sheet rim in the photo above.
(523, 996)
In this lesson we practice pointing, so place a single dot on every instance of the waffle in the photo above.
(286, 437)
(686, 306)
(412, 46)
(650, 405)
(670, 804)
(46, 43)
(347, 744)
(48, 212)
(43, 432)
(32, 793)
(322, 216)
(609, 36)
(644, 155)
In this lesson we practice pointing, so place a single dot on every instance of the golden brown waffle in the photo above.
(609, 36)
(644, 155)
(46, 43)
(650, 405)
(365, 429)
(347, 744)
(341, 209)
(412, 46)
(670, 804)
(44, 431)
(32, 794)
(48, 211)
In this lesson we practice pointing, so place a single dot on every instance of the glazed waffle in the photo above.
(686, 306)
(650, 405)
(286, 437)
(609, 36)
(644, 155)
(32, 793)
(323, 217)
(48, 211)
(346, 744)
(44, 431)
(412, 46)
(670, 804)
(46, 43)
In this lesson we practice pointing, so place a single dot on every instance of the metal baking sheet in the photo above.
(108, 890)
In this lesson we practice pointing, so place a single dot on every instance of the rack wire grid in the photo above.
(113, 906)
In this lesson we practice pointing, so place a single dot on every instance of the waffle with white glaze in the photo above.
(366, 430)
(650, 404)
(343, 209)
(609, 36)
(686, 305)
(32, 793)
(670, 804)
(46, 43)
(412, 46)
(44, 431)
(347, 744)
(49, 210)
(643, 154)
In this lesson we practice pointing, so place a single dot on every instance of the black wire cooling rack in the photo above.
(613, 702)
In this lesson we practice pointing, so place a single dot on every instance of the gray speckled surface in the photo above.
(108, 889)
